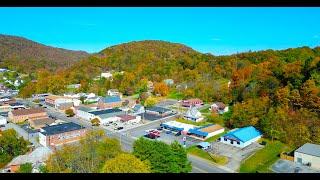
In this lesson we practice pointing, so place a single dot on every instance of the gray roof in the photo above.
(158, 109)
(61, 128)
(310, 149)
(85, 109)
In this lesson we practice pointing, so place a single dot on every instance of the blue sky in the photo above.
(216, 30)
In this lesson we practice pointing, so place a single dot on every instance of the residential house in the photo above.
(192, 102)
(40, 123)
(74, 86)
(206, 132)
(109, 102)
(20, 115)
(309, 155)
(241, 137)
(159, 111)
(113, 92)
(106, 75)
(61, 134)
(193, 114)
(169, 82)
(219, 107)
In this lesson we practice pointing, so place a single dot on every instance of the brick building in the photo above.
(61, 134)
(109, 102)
(21, 115)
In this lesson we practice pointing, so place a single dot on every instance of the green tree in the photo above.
(25, 168)
(125, 163)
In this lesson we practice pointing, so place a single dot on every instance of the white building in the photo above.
(308, 154)
(106, 75)
(84, 113)
(177, 126)
(113, 92)
(219, 108)
(241, 137)
(3, 120)
(138, 109)
(193, 114)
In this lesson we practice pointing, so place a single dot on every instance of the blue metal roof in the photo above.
(198, 132)
(111, 99)
(244, 134)
(171, 127)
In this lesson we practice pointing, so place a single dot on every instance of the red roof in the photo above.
(126, 117)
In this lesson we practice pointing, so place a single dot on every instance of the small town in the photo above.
(159, 90)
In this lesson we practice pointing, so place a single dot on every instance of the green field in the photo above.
(203, 154)
(264, 158)
(175, 95)
(214, 138)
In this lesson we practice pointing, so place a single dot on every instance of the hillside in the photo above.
(26, 56)
(276, 91)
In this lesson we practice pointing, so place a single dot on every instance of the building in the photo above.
(177, 126)
(74, 86)
(40, 123)
(57, 101)
(61, 134)
(3, 120)
(129, 118)
(206, 132)
(84, 112)
(219, 107)
(109, 102)
(36, 158)
(20, 115)
(308, 154)
(107, 115)
(113, 92)
(193, 114)
(138, 109)
(241, 137)
(159, 111)
(64, 105)
(192, 102)
(168, 82)
(106, 75)
(17, 105)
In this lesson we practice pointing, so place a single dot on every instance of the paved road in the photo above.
(199, 165)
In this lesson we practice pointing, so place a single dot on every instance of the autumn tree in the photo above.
(95, 122)
(69, 112)
(125, 163)
(150, 101)
(161, 88)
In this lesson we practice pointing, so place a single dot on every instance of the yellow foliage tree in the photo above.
(161, 88)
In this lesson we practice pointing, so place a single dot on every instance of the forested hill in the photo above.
(24, 55)
(276, 91)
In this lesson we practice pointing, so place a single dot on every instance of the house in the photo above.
(138, 109)
(107, 115)
(61, 134)
(113, 92)
(20, 115)
(192, 102)
(193, 114)
(57, 101)
(3, 120)
(150, 86)
(241, 137)
(36, 158)
(40, 123)
(74, 86)
(308, 154)
(177, 126)
(168, 82)
(106, 75)
(109, 102)
(219, 107)
(71, 95)
(205, 132)
(159, 111)
(129, 118)
(91, 99)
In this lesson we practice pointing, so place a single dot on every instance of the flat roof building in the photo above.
(308, 154)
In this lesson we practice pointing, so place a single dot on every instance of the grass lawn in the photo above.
(203, 123)
(175, 95)
(214, 138)
(205, 110)
(203, 154)
(264, 158)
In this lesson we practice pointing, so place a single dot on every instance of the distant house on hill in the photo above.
(192, 102)
(74, 86)
(168, 82)
(219, 107)
(106, 75)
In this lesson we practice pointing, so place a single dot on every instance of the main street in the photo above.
(199, 165)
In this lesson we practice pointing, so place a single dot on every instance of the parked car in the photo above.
(118, 128)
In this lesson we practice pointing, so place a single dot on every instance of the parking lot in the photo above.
(126, 126)
(235, 155)
(152, 117)
(285, 166)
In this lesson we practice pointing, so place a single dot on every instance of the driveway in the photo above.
(235, 155)
(285, 166)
